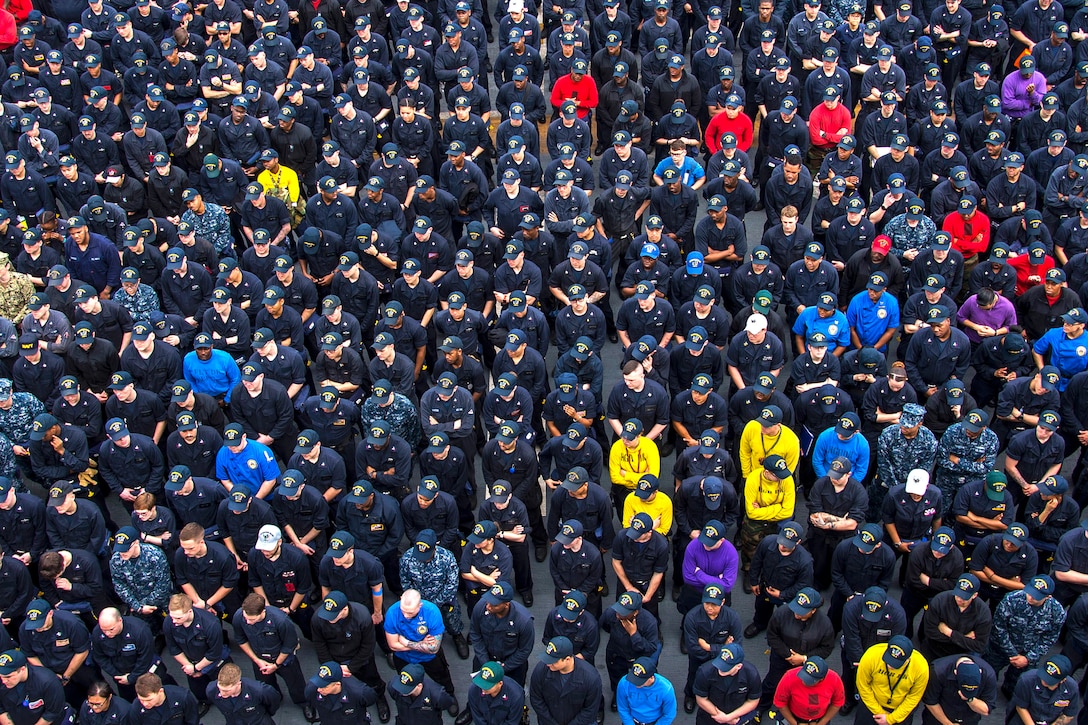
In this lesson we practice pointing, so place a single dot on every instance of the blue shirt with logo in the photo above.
(872, 319)
(1069, 356)
(428, 621)
(250, 467)
(835, 328)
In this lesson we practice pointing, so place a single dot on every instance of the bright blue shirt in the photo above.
(835, 328)
(829, 446)
(250, 467)
(872, 319)
(217, 376)
(654, 703)
(1069, 356)
(690, 171)
(427, 621)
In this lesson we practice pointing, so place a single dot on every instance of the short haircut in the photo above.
(50, 565)
(230, 675)
(253, 604)
(148, 684)
(789, 211)
(180, 603)
(191, 532)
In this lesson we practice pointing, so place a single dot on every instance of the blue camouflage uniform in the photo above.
(437, 581)
(401, 415)
(977, 458)
(1024, 629)
(139, 305)
(906, 237)
(16, 421)
(143, 581)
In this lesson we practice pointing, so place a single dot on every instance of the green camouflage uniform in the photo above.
(15, 295)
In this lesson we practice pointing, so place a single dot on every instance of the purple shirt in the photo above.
(1015, 101)
(1003, 314)
(702, 567)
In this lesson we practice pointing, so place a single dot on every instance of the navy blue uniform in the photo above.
(272, 636)
(208, 573)
(347, 707)
(426, 707)
(255, 705)
(130, 654)
(39, 699)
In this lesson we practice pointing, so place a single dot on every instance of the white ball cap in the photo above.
(756, 323)
(917, 481)
(268, 537)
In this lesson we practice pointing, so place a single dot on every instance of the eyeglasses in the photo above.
(898, 378)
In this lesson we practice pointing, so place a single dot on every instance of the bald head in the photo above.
(410, 603)
(110, 622)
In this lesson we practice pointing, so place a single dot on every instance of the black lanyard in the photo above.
(892, 686)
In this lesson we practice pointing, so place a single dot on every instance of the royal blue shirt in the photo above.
(1069, 356)
(428, 621)
(216, 376)
(835, 328)
(872, 319)
(250, 467)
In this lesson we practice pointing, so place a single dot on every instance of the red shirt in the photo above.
(741, 126)
(1027, 274)
(821, 119)
(8, 36)
(583, 93)
(809, 704)
(964, 231)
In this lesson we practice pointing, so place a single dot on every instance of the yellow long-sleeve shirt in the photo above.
(627, 465)
(768, 499)
(659, 509)
(894, 692)
(754, 447)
